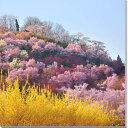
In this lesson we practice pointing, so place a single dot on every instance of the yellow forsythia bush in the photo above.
(31, 108)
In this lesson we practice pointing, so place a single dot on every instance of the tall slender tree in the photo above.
(17, 25)
(119, 59)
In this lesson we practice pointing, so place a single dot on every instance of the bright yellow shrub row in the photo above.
(30, 108)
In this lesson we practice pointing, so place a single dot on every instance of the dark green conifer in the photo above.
(119, 59)
(17, 25)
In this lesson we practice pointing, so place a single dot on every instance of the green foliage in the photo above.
(66, 64)
(48, 53)
(28, 48)
(36, 54)
(51, 40)
(62, 44)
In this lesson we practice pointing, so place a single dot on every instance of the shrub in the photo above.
(12, 53)
(22, 74)
(114, 82)
(16, 64)
(30, 108)
(24, 55)
(62, 44)
(3, 44)
(114, 99)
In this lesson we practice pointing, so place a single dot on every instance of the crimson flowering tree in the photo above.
(50, 59)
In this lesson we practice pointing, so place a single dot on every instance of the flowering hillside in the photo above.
(66, 64)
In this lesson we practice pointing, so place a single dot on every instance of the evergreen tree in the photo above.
(119, 59)
(17, 25)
